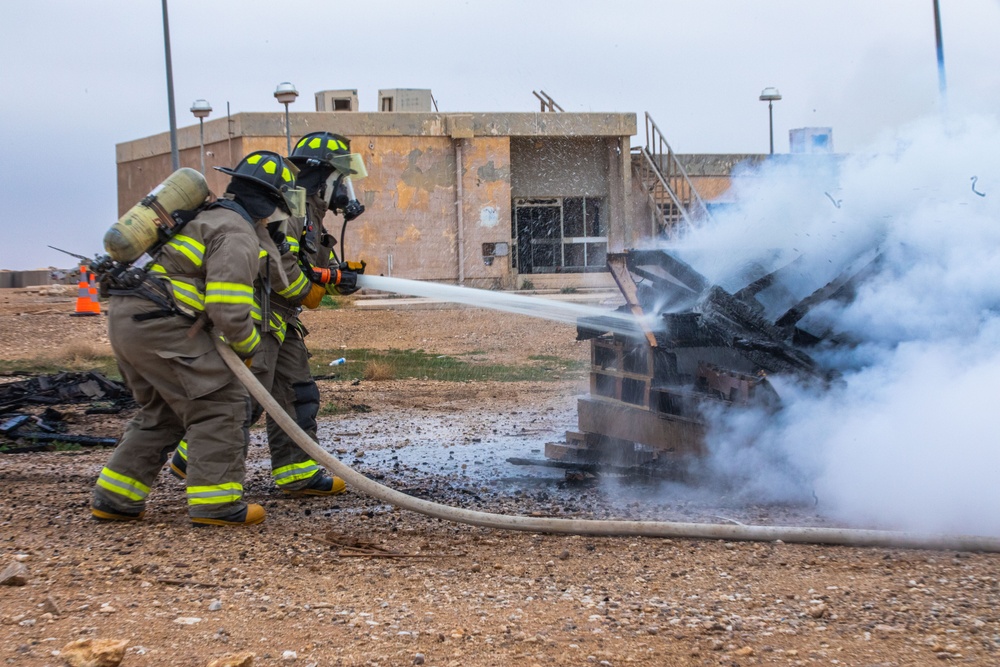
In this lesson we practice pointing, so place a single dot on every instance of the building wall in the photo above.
(558, 167)
(486, 199)
(408, 228)
(417, 204)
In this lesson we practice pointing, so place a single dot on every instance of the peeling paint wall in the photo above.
(486, 177)
(408, 228)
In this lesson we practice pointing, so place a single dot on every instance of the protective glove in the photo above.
(357, 267)
(315, 296)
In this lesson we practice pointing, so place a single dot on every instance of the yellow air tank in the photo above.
(137, 230)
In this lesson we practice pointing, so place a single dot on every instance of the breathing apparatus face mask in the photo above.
(332, 187)
(338, 190)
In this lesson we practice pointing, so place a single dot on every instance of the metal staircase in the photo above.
(674, 203)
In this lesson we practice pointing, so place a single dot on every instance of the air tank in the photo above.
(137, 230)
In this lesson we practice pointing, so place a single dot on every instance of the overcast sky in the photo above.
(83, 75)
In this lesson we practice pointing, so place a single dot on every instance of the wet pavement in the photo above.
(461, 459)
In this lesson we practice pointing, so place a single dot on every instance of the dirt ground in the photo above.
(313, 586)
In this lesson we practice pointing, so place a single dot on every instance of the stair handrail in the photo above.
(655, 144)
(647, 158)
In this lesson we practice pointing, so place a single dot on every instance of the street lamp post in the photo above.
(770, 95)
(201, 109)
(175, 159)
(285, 93)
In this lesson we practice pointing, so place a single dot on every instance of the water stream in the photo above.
(549, 309)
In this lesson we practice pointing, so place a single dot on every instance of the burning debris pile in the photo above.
(696, 346)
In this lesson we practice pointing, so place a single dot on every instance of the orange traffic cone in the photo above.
(95, 303)
(86, 295)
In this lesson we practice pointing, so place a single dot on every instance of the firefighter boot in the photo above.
(178, 462)
(102, 511)
(247, 516)
(320, 484)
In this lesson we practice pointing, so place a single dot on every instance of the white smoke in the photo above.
(909, 436)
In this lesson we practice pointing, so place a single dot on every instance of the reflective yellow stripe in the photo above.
(261, 254)
(121, 484)
(248, 344)
(182, 449)
(188, 247)
(298, 286)
(277, 324)
(215, 494)
(294, 472)
(188, 294)
(293, 244)
(220, 292)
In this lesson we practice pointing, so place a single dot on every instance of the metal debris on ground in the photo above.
(62, 388)
(18, 399)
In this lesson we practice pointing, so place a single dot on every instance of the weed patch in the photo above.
(374, 365)
(58, 363)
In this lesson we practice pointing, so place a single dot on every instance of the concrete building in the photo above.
(483, 199)
(489, 200)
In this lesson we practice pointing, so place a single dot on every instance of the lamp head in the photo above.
(285, 93)
(201, 108)
(770, 95)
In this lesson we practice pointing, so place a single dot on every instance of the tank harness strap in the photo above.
(151, 290)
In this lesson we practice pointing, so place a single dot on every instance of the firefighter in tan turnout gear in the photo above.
(282, 363)
(199, 284)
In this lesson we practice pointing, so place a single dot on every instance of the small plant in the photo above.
(567, 290)
(331, 302)
(527, 285)
(60, 446)
(329, 409)
(379, 369)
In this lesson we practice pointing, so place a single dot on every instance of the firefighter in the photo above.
(326, 166)
(199, 284)
(282, 364)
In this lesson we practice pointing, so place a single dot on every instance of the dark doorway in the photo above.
(539, 238)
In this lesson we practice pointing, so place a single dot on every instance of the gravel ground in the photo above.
(351, 581)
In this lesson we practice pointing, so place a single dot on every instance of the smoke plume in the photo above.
(908, 435)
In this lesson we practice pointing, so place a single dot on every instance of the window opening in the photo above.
(559, 235)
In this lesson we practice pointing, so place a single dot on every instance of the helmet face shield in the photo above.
(351, 165)
(295, 199)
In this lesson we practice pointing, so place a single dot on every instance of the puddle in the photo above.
(459, 458)
(471, 453)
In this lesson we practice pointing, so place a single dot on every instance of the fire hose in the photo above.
(670, 529)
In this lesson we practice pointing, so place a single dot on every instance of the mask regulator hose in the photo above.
(841, 536)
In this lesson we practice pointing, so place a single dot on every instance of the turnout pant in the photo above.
(283, 369)
(185, 391)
